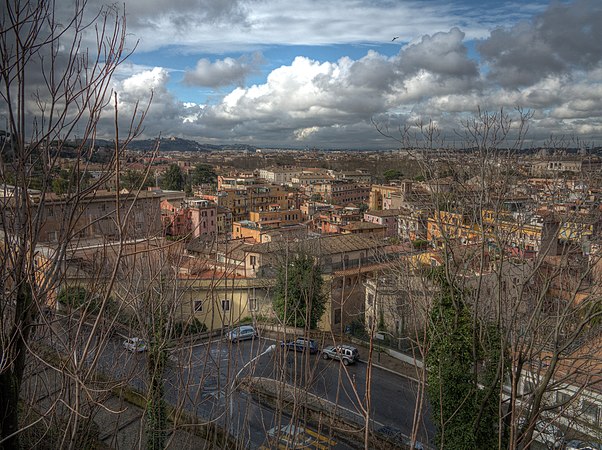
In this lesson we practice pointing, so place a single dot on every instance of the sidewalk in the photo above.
(387, 362)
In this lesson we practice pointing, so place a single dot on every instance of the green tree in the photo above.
(299, 300)
(203, 174)
(464, 401)
(392, 174)
(68, 180)
(134, 180)
(172, 179)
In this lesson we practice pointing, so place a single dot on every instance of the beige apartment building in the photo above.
(96, 216)
(242, 201)
(341, 192)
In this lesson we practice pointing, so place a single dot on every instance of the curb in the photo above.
(386, 369)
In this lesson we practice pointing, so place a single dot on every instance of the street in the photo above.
(203, 378)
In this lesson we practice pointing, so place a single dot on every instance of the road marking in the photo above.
(320, 437)
(302, 438)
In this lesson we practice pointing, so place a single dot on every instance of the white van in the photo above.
(241, 333)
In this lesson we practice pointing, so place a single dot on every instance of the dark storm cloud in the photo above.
(442, 54)
(566, 36)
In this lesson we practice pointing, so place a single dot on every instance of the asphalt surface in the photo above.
(203, 379)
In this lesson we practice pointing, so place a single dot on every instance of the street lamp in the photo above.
(269, 349)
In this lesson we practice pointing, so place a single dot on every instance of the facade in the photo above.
(280, 175)
(331, 221)
(224, 221)
(307, 179)
(557, 166)
(353, 176)
(345, 263)
(398, 304)
(379, 194)
(266, 231)
(252, 198)
(411, 225)
(365, 228)
(283, 217)
(177, 221)
(96, 216)
(192, 219)
(341, 192)
(203, 218)
(387, 218)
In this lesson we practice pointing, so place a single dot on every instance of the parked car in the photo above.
(576, 444)
(546, 433)
(135, 344)
(242, 333)
(301, 344)
(345, 353)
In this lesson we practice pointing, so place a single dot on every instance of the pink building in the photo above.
(386, 217)
(203, 218)
(194, 219)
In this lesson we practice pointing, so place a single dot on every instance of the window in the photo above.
(528, 387)
(253, 260)
(253, 306)
(337, 315)
(198, 305)
(590, 411)
(563, 398)
(370, 299)
(226, 305)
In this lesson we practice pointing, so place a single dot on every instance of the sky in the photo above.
(321, 73)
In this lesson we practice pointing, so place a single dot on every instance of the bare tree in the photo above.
(53, 85)
(522, 261)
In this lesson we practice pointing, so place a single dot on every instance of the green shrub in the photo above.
(420, 244)
(183, 328)
(73, 296)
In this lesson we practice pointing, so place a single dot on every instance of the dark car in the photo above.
(301, 345)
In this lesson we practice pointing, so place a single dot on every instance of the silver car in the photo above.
(346, 353)
(135, 344)
(242, 333)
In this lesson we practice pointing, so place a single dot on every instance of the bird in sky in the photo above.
(396, 37)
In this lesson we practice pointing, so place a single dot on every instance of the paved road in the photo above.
(199, 379)
(393, 397)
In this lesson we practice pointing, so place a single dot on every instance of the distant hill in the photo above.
(174, 144)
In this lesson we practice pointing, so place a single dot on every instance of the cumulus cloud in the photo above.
(223, 72)
(331, 103)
